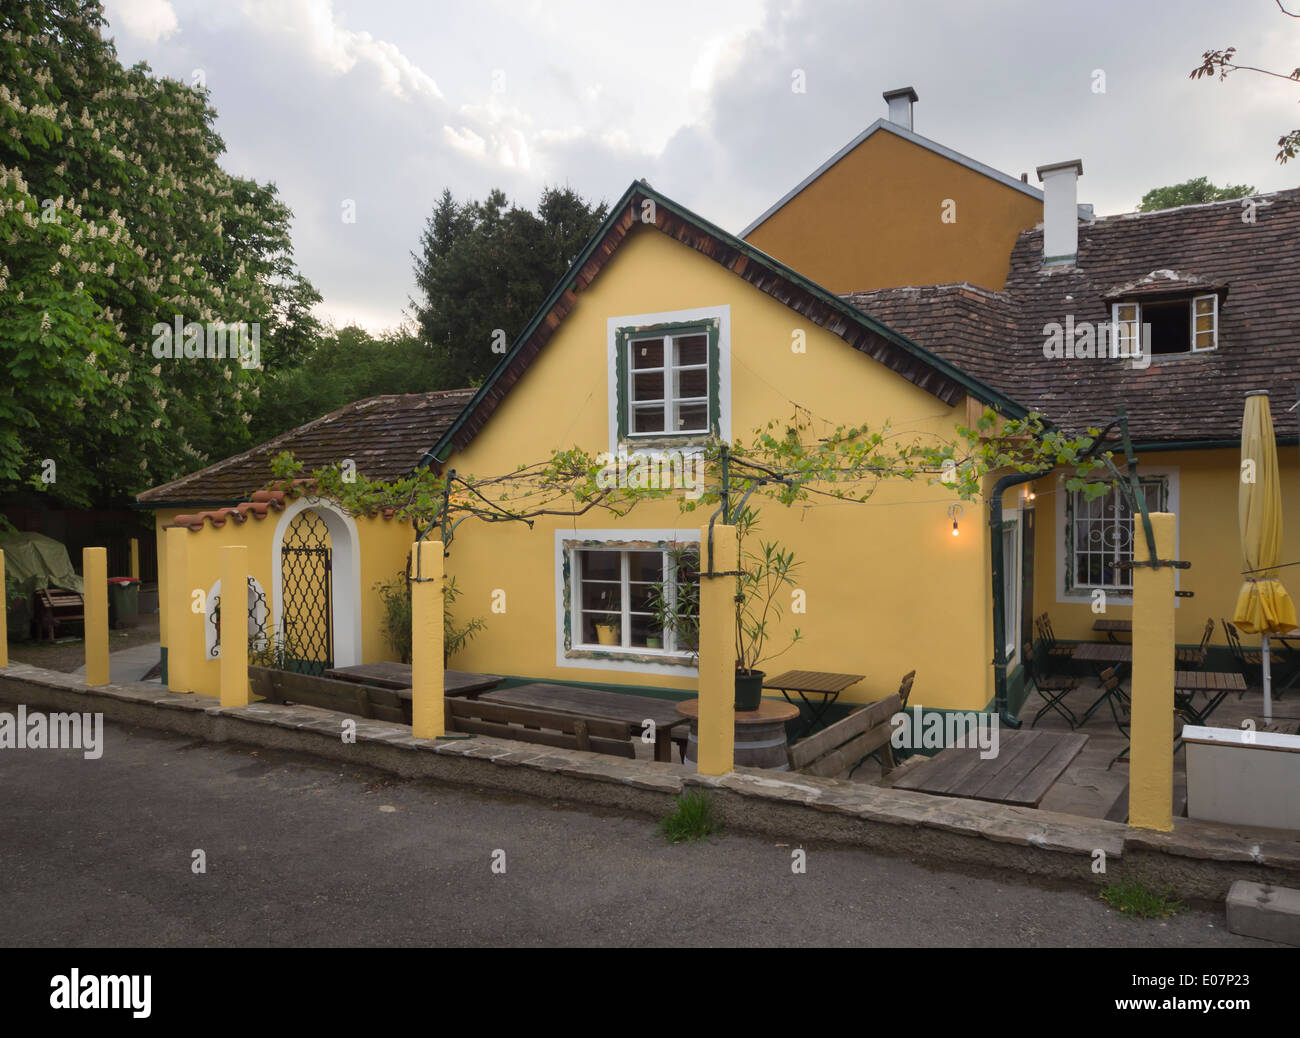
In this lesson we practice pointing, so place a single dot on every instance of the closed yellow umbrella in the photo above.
(1263, 605)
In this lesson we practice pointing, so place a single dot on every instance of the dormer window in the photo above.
(1179, 325)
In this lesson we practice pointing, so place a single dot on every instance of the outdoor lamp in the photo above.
(954, 512)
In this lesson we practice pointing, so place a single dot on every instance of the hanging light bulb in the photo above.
(954, 513)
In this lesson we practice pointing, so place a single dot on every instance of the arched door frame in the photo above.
(345, 597)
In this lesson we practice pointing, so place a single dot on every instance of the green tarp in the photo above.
(37, 562)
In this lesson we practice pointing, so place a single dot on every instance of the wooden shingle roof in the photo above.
(1186, 399)
(386, 436)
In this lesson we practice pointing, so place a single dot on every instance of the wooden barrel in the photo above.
(760, 744)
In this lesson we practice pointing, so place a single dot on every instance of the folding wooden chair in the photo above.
(1194, 659)
(1056, 652)
(1250, 661)
(1053, 690)
(905, 687)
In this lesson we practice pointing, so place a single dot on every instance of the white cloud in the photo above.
(314, 24)
(148, 20)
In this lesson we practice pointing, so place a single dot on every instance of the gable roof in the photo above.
(925, 369)
(886, 126)
(385, 435)
(1182, 399)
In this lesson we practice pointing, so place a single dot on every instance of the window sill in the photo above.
(614, 655)
(660, 441)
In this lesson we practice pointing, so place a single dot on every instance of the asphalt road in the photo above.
(303, 852)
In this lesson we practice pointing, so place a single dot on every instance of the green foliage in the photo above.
(692, 820)
(488, 266)
(337, 368)
(115, 218)
(1191, 192)
(675, 602)
(397, 621)
(765, 572)
(1138, 901)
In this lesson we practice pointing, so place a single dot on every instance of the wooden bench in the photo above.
(566, 731)
(378, 704)
(848, 741)
(56, 606)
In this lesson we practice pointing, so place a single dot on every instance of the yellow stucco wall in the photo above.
(1207, 534)
(889, 589)
(383, 543)
(873, 220)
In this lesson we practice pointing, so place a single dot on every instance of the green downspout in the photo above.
(999, 614)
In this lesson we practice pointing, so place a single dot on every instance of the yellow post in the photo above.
(428, 720)
(4, 616)
(234, 625)
(135, 557)
(1151, 753)
(94, 579)
(178, 606)
(717, 723)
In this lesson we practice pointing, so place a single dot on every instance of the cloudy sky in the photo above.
(386, 102)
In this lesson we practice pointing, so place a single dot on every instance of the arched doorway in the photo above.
(316, 575)
(306, 625)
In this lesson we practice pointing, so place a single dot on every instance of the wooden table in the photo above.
(1218, 684)
(1104, 652)
(398, 676)
(1110, 628)
(1026, 766)
(760, 740)
(596, 703)
(817, 682)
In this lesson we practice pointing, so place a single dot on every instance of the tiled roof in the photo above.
(1253, 267)
(385, 435)
(263, 503)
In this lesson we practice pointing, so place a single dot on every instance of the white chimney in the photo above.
(1061, 210)
(900, 106)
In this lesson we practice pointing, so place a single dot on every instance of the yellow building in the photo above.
(894, 208)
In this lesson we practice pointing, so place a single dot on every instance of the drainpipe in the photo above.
(1005, 716)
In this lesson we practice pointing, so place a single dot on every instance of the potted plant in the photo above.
(675, 603)
(607, 632)
(760, 584)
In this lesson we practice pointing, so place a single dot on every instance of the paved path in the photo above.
(130, 664)
(305, 852)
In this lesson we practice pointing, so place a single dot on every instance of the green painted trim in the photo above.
(1201, 445)
(163, 674)
(624, 336)
(981, 391)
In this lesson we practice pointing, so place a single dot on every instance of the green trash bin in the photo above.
(123, 601)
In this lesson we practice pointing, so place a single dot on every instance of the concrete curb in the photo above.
(1198, 860)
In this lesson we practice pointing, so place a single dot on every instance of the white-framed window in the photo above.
(1011, 585)
(1165, 326)
(1103, 532)
(669, 378)
(614, 589)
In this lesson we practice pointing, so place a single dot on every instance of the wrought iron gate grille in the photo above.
(256, 620)
(307, 626)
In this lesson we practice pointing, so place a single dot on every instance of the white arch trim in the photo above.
(256, 622)
(345, 581)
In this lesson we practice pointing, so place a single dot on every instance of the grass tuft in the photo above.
(1139, 901)
(692, 820)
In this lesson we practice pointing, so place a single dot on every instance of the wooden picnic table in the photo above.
(1025, 767)
(1104, 652)
(1110, 628)
(815, 682)
(397, 676)
(635, 711)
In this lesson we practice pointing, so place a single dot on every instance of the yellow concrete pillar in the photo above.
(234, 625)
(428, 720)
(135, 557)
(179, 647)
(1151, 753)
(94, 580)
(4, 616)
(717, 724)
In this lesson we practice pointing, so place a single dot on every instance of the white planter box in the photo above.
(1248, 778)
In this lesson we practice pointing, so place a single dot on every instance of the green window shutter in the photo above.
(715, 380)
(621, 382)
